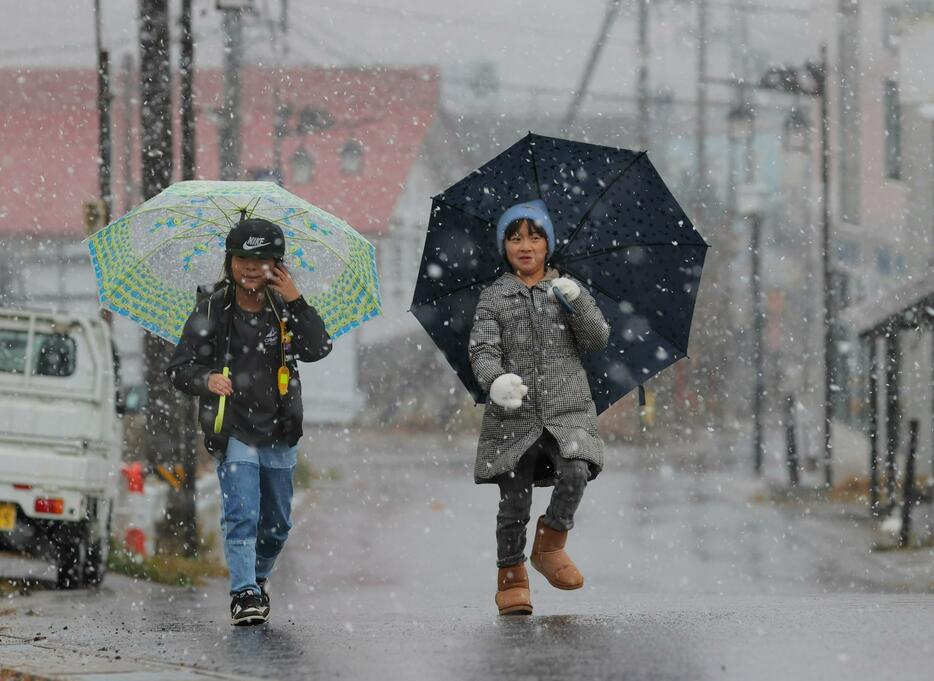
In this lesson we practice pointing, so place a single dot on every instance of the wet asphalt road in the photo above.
(389, 574)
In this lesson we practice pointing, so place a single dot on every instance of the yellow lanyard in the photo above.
(283, 375)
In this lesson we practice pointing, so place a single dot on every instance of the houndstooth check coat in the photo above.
(522, 330)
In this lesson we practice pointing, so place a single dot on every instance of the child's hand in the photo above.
(568, 289)
(220, 385)
(281, 282)
(508, 390)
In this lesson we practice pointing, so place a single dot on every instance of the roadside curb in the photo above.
(28, 660)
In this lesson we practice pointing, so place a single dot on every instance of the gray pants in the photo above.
(515, 503)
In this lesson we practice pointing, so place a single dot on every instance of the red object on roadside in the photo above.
(133, 472)
(135, 541)
(134, 538)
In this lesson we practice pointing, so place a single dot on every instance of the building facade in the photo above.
(348, 140)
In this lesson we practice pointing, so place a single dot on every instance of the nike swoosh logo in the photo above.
(251, 247)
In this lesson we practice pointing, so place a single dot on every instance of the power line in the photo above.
(524, 88)
(761, 9)
(326, 46)
(609, 18)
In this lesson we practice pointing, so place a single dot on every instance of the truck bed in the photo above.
(43, 465)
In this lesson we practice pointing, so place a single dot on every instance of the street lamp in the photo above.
(741, 128)
(810, 80)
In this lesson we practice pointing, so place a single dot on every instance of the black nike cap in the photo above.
(256, 238)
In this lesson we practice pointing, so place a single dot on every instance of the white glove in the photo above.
(507, 391)
(568, 288)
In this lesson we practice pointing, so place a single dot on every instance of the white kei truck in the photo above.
(60, 440)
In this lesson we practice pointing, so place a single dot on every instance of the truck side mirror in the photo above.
(134, 401)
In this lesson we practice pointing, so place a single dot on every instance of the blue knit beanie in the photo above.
(537, 212)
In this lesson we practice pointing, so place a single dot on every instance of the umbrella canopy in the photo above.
(618, 230)
(150, 262)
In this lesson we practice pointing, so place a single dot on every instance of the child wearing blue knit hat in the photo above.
(540, 424)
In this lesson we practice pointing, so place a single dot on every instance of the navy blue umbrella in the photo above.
(619, 231)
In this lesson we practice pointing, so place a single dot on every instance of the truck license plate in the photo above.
(7, 517)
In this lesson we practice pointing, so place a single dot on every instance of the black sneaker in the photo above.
(264, 596)
(247, 608)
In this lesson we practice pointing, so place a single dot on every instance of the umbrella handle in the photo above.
(561, 299)
(219, 419)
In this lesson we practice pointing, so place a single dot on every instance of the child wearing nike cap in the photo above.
(238, 353)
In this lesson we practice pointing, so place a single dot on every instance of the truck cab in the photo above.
(60, 439)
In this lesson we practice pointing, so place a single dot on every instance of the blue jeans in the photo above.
(256, 497)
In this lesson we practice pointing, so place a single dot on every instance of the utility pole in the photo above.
(829, 293)
(187, 67)
(701, 131)
(166, 415)
(281, 111)
(127, 103)
(181, 506)
(643, 85)
(755, 245)
(612, 9)
(230, 119)
(155, 97)
(813, 81)
(284, 24)
(104, 144)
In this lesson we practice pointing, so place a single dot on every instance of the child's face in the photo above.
(251, 273)
(526, 250)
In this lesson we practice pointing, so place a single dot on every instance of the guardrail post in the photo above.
(791, 442)
(908, 492)
(873, 426)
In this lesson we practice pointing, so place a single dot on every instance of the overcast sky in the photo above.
(540, 43)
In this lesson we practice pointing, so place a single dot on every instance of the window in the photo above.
(352, 157)
(883, 261)
(893, 131)
(303, 166)
(53, 353)
(13, 352)
(848, 132)
(848, 252)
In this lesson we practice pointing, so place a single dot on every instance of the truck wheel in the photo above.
(71, 547)
(95, 565)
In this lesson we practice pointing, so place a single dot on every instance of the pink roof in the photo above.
(48, 139)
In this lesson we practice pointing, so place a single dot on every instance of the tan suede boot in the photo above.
(549, 558)
(512, 591)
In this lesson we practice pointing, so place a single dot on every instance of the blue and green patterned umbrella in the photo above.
(150, 262)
